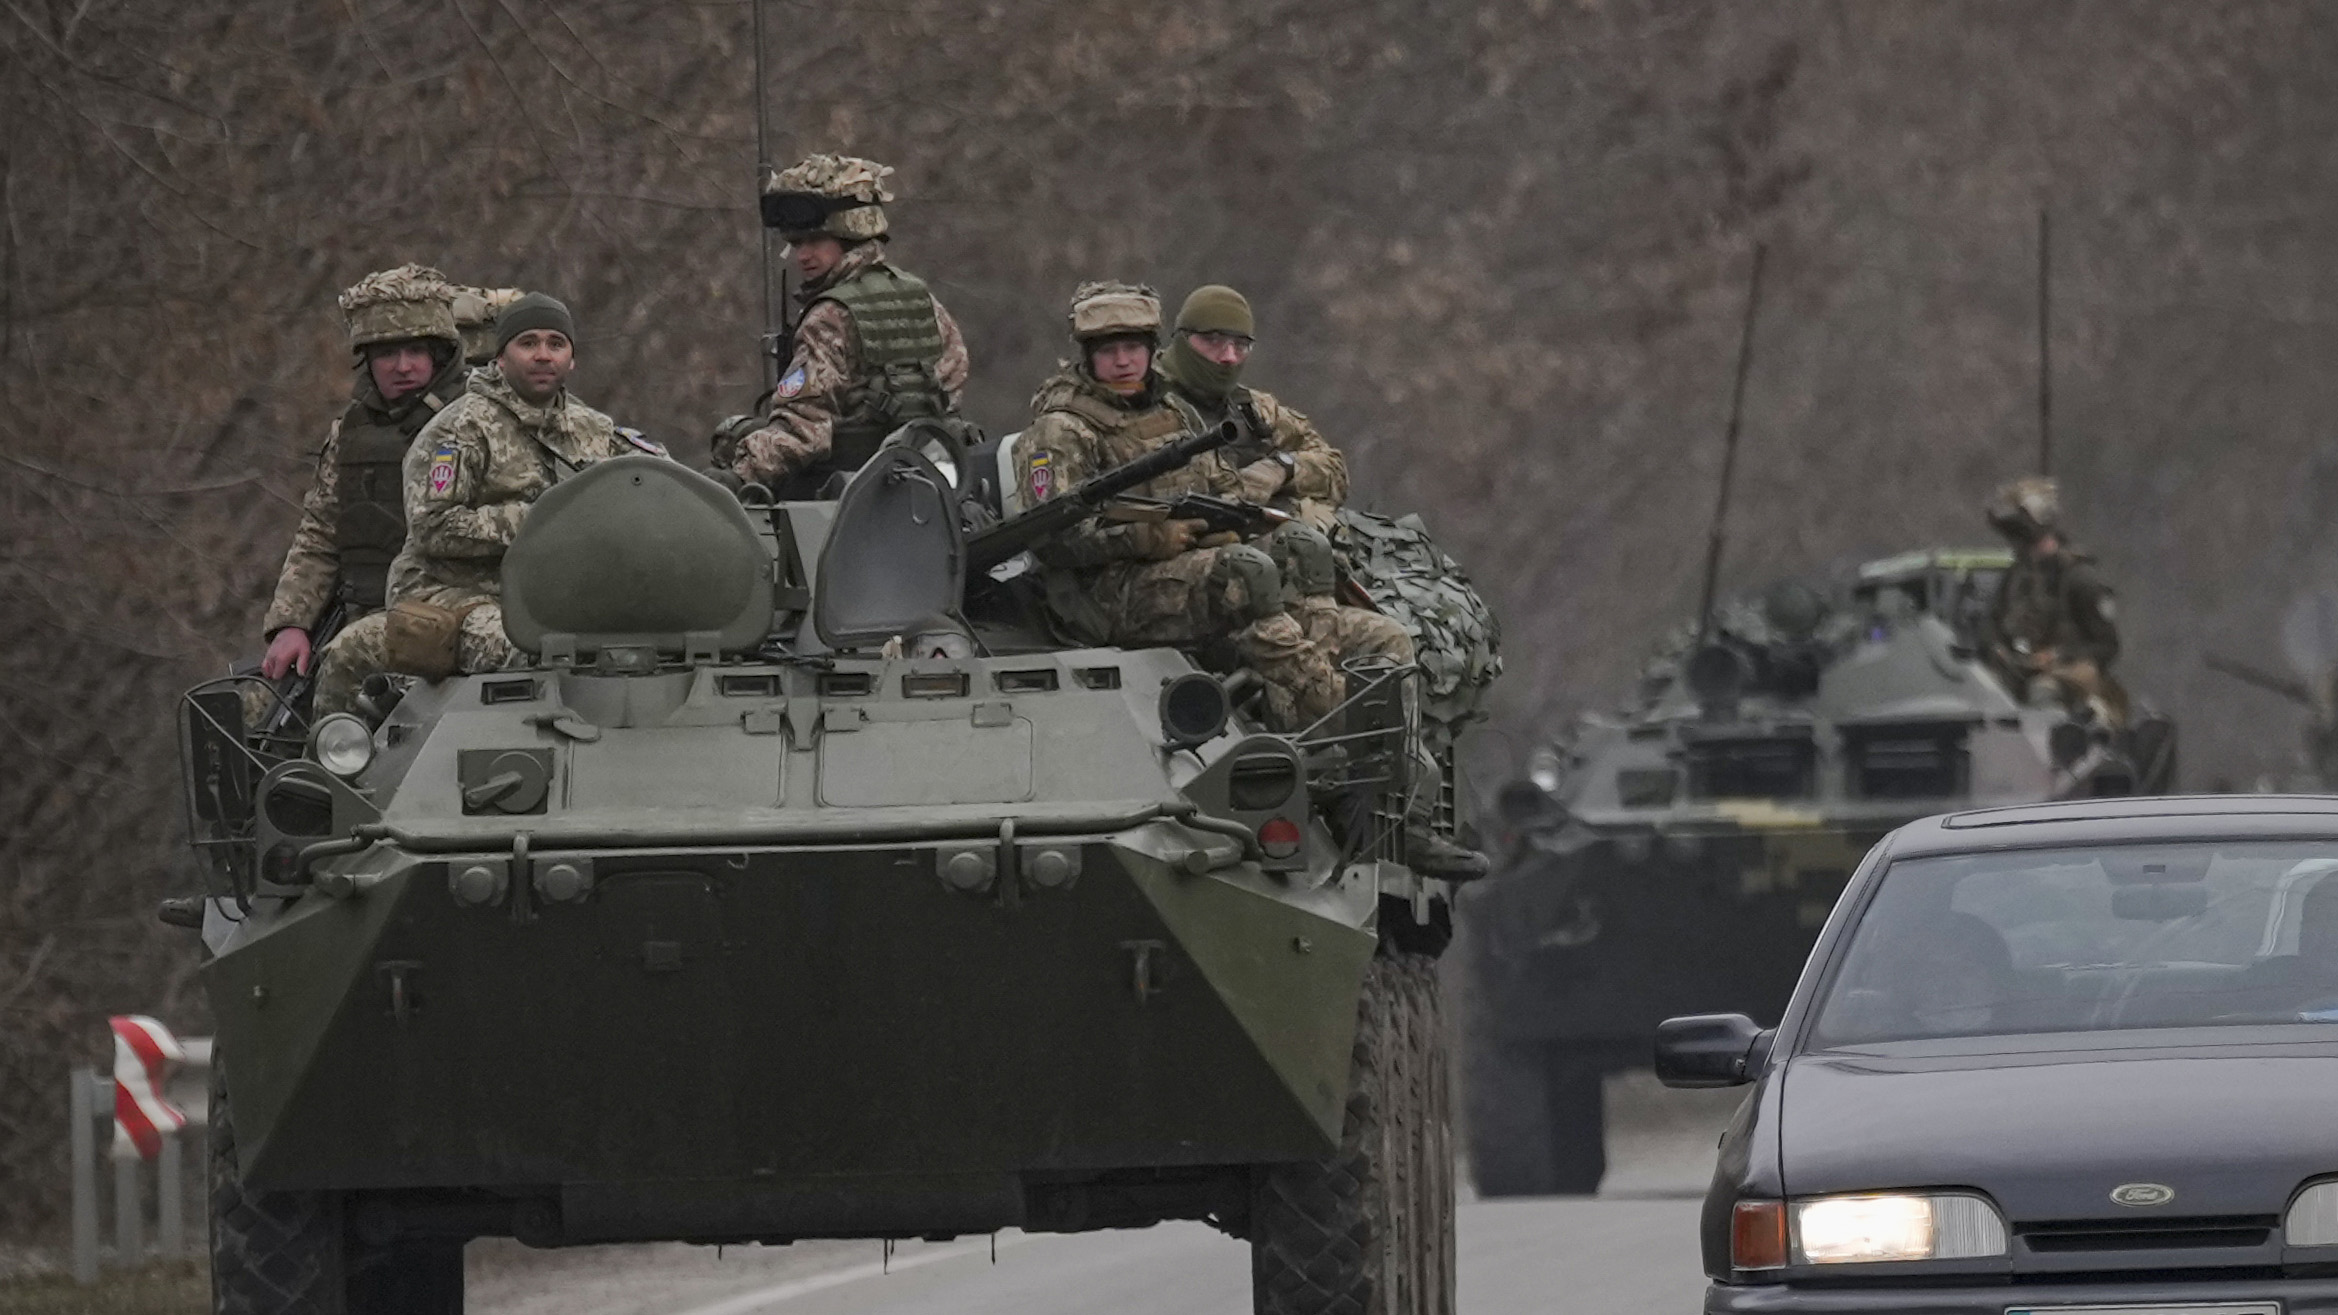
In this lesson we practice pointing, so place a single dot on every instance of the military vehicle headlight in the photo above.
(1544, 768)
(2313, 1217)
(342, 745)
(1869, 1229)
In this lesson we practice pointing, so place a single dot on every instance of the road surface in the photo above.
(1633, 1248)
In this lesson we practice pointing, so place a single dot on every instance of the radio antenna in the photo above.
(767, 345)
(1745, 338)
(2045, 343)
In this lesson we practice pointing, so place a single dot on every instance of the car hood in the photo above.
(2232, 1129)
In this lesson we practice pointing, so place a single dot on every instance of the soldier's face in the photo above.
(399, 368)
(537, 363)
(1120, 360)
(815, 255)
(1221, 348)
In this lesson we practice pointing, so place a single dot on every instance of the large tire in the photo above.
(1537, 1121)
(1370, 1230)
(290, 1253)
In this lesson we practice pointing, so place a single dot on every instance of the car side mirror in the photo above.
(1711, 1050)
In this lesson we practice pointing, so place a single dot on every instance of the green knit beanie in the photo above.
(1216, 308)
(534, 311)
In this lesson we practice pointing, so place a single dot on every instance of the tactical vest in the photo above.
(372, 472)
(1125, 435)
(900, 333)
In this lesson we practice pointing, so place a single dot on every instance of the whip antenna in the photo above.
(767, 347)
(1753, 302)
(2045, 344)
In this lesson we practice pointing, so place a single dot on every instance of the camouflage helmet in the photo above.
(841, 196)
(2025, 508)
(1115, 310)
(400, 305)
(475, 312)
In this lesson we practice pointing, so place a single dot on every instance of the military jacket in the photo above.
(471, 476)
(873, 350)
(353, 521)
(1319, 476)
(1082, 429)
(2056, 601)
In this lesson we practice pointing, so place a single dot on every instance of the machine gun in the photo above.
(2273, 682)
(1221, 515)
(1059, 513)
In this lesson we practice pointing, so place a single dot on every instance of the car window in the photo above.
(2086, 940)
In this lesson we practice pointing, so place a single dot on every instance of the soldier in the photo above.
(1158, 582)
(469, 481)
(873, 348)
(408, 349)
(2053, 626)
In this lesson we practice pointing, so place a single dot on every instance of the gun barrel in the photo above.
(2288, 687)
(1003, 540)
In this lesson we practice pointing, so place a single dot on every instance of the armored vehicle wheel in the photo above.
(1537, 1121)
(1370, 1230)
(290, 1253)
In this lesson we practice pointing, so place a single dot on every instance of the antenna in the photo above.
(763, 172)
(1753, 301)
(2045, 343)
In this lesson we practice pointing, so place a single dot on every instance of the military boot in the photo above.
(1432, 855)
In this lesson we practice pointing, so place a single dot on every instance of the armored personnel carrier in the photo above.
(1680, 857)
(794, 888)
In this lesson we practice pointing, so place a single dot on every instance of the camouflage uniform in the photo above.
(469, 481)
(1103, 580)
(873, 348)
(2053, 622)
(353, 507)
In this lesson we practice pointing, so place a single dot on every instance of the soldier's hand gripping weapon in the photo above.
(295, 690)
(1059, 513)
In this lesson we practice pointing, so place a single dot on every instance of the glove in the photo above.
(1263, 480)
(1162, 540)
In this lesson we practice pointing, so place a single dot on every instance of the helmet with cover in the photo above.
(1115, 310)
(404, 304)
(839, 196)
(2025, 509)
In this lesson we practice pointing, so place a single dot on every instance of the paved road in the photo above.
(1632, 1249)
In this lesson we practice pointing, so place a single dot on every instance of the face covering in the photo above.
(1197, 374)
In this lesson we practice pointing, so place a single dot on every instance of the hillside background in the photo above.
(1497, 250)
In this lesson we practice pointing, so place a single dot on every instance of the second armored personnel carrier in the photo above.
(1681, 856)
(791, 888)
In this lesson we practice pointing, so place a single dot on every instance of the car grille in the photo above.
(2063, 1236)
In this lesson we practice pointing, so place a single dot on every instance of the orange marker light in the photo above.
(1757, 1235)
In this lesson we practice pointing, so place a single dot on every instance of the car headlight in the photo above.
(1872, 1228)
(2313, 1217)
(342, 745)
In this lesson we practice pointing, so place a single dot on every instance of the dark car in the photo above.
(2076, 1057)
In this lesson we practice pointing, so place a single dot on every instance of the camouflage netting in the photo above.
(1456, 637)
(1496, 250)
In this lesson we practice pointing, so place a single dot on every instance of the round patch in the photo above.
(791, 383)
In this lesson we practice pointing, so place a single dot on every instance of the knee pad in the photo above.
(1247, 579)
(1304, 556)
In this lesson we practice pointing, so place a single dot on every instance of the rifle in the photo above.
(1001, 541)
(1222, 515)
(2288, 687)
(294, 694)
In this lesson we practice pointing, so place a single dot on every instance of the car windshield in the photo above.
(2087, 940)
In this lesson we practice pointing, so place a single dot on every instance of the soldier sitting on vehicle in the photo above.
(2053, 629)
(873, 350)
(1163, 581)
(408, 349)
(468, 481)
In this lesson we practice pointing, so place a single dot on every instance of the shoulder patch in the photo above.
(1042, 476)
(791, 383)
(636, 439)
(442, 467)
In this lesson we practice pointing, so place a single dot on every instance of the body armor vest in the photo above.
(900, 334)
(372, 474)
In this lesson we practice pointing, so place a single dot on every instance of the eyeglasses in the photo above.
(1233, 342)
